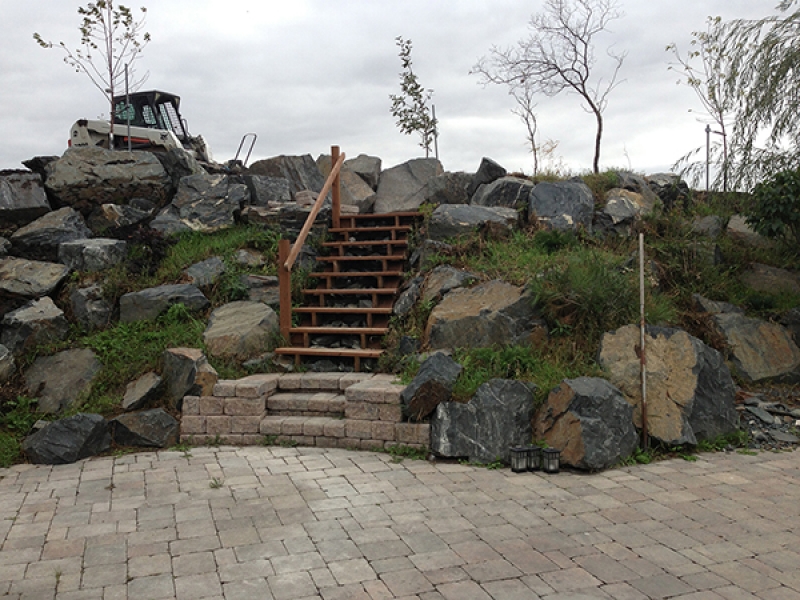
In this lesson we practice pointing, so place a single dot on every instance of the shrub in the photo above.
(775, 208)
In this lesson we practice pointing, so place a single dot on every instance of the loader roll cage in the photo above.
(152, 110)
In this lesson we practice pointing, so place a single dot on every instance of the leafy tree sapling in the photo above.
(411, 108)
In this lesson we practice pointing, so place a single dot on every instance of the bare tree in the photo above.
(111, 39)
(559, 55)
(703, 68)
(525, 111)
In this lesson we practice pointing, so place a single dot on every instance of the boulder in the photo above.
(58, 380)
(496, 418)
(22, 197)
(589, 421)
(22, 279)
(760, 351)
(443, 279)
(249, 258)
(427, 249)
(119, 220)
(354, 191)
(68, 440)
(5, 246)
(791, 321)
(92, 254)
(366, 167)
(487, 172)
(268, 191)
(402, 188)
(771, 280)
(87, 177)
(494, 313)
(690, 391)
(209, 203)
(186, 371)
(432, 385)
(7, 365)
(262, 288)
(90, 308)
(38, 322)
(289, 219)
(622, 209)
(670, 189)
(149, 303)
(206, 272)
(408, 297)
(453, 220)
(448, 188)
(632, 182)
(563, 205)
(178, 163)
(708, 226)
(739, 231)
(511, 192)
(301, 172)
(168, 222)
(240, 330)
(138, 393)
(714, 307)
(41, 238)
(154, 428)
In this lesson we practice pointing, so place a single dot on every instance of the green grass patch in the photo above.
(10, 450)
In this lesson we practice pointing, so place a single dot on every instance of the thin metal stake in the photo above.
(642, 356)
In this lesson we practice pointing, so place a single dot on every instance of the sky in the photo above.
(307, 74)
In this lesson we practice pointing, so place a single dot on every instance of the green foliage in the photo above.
(9, 449)
(600, 183)
(410, 108)
(775, 208)
(215, 483)
(399, 452)
(19, 415)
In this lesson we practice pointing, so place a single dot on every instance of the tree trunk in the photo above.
(599, 116)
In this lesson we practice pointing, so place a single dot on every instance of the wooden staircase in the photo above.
(346, 315)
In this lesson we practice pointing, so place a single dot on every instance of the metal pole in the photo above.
(435, 132)
(127, 108)
(708, 152)
(642, 356)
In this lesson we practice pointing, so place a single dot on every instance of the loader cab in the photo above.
(152, 110)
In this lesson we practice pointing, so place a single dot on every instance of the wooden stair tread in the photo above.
(380, 228)
(376, 216)
(364, 243)
(350, 291)
(344, 310)
(324, 274)
(325, 330)
(373, 257)
(317, 351)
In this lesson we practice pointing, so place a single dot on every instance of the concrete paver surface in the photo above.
(301, 523)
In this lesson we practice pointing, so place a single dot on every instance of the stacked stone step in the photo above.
(342, 410)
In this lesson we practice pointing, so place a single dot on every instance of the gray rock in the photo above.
(764, 278)
(702, 304)
(186, 371)
(791, 321)
(249, 258)
(366, 167)
(68, 440)
(7, 365)
(496, 418)
(87, 177)
(24, 279)
(443, 279)
(262, 288)
(41, 238)
(138, 393)
(510, 192)
(5, 246)
(432, 385)
(151, 302)
(622, 209)
(494, 313)
(90, 308)
(639, 185)
(427, 249)
(448, 188)
(168, 222)
(38, 322)
(589, 421)
(408, 297)
(58, 380)
(289, 219)
(708, 226)
(402, 188)
(487, 172)
(670, 189)
(92, 255)
(268, 191)
(690, 391)
(154, 428)
(453, 220)
(116, 218)
(355, 193)
(563, 205)
(22, 197)
(760, 351)
(761, 414)
(207, 272)
(739, 231)
(240, 330)
(178, 163)
(301, 172)
(209, 203)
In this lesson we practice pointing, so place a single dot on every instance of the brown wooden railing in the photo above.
(287, 252)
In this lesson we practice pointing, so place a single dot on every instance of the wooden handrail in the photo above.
(312, 216)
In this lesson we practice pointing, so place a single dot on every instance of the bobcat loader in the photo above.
(155, 125)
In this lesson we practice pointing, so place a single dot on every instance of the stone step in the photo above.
(307, 404)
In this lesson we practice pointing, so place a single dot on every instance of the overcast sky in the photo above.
(306, 74)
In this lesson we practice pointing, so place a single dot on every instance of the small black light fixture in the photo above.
(551, 460)
(519, 459)
(534, 458)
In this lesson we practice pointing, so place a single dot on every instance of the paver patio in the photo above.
(300, 523)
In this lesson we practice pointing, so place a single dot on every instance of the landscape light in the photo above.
(551, 460)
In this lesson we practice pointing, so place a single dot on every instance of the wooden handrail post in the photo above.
(284, 288)
(336, 198)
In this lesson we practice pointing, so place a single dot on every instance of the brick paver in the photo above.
(295, 523)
